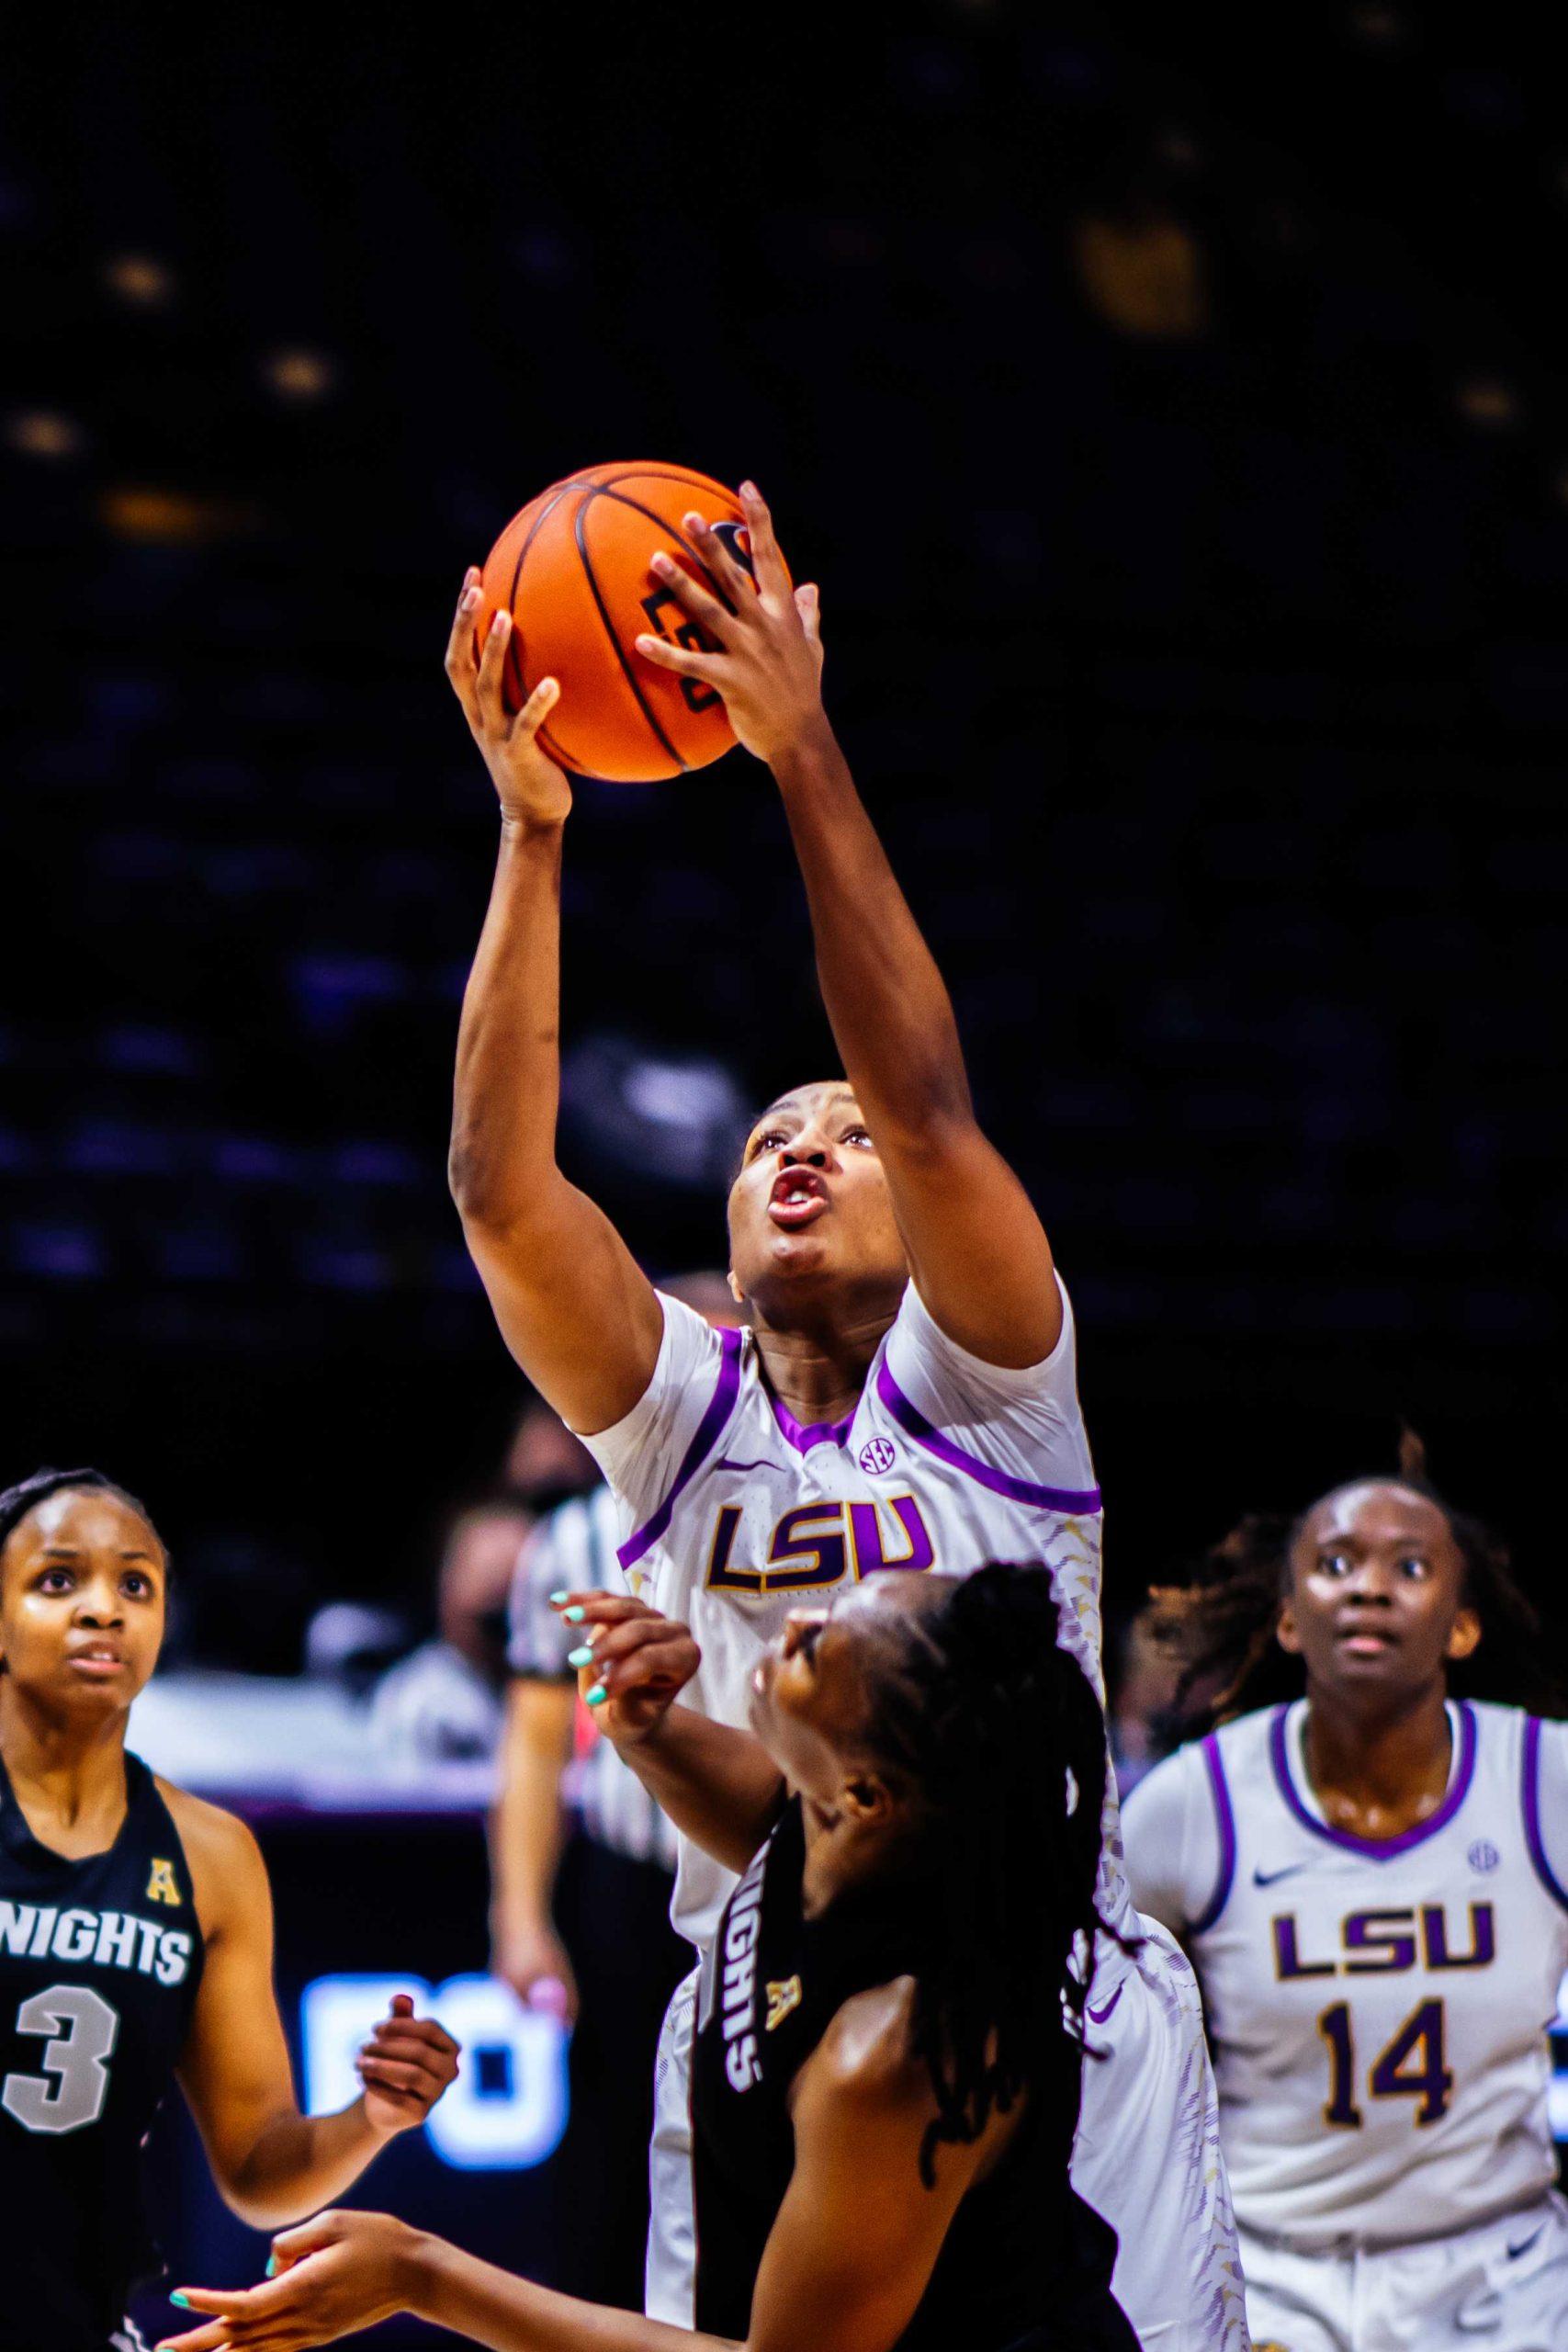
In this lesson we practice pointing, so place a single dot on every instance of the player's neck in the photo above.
(819, 1373)
(1378, 1768)
(68, 1777)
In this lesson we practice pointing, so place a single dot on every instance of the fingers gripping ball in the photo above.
(573, 569)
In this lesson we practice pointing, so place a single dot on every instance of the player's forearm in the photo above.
(298, 2163)
(891, 1015)
(456, 2290)
(527, 1833)
(719, 1786)
(507, 1091)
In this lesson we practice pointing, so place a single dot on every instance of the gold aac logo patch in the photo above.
(162, 1886)
(781, 1998)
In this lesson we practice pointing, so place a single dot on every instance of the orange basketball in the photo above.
(574, 570)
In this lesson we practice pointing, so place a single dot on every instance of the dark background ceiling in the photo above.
(1175, 419)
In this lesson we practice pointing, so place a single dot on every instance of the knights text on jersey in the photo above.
(1379, 2011)
(99, 1963)
(1024, 2262)
(735, 1514)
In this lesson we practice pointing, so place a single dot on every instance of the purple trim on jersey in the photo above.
(721, 1403)
(1376, 1850)
(1226, 1820)
(1074, 1500)
(803, 1439)
(1531, 1791)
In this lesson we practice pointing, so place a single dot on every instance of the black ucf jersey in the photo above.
(1025, 2265)
(99, 1963)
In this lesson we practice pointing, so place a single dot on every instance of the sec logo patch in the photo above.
(878, 1454)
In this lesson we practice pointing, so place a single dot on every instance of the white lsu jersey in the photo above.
(1378, 2009)
(738, 1514)
(735, 1514)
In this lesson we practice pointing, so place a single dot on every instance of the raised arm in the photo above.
(573, 1305)
(976, 1248)
(719, 1786)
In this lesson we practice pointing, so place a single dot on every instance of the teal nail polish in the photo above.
(574, 1616)
(272, 2265)
(585, 1656)
(557, 1598)
(183, 2300)
(597, 1696)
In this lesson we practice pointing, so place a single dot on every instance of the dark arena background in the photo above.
(1173, 412)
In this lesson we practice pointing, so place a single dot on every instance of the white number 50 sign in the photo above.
(507, 2108)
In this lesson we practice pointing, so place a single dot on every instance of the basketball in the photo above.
(572, 568)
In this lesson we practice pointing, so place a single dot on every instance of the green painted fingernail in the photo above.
(183, 2300)
(597, 1696)
(574, 1616)
(557, 1598)
(585, 1656)
(272, 2265)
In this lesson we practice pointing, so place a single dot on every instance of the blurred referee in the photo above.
(582, 1870)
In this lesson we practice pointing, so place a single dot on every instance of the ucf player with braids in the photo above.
(891, 2026)
(135, 1945)
(1372, 1882)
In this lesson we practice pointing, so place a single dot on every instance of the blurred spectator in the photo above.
(581, 1863)
(445, 1699)
(355, 1643)
(1140, 266)
(544, 1462)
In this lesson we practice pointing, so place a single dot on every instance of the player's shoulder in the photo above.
(221, 1852)
(866, 2052)
(1227, 1756)
(1243, 1743)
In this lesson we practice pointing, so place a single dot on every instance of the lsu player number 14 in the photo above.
(1377, 2011)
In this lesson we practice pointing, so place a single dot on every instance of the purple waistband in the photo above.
(721, 1403)
(1076, 1502)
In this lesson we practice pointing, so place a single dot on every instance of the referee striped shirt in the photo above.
(574, 1551)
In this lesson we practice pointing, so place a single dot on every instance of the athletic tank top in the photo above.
(1025, 2265)
(99, 1963)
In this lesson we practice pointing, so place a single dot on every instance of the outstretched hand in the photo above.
(530, 787)
(636, 1666)
(334, 2275)
(768, 665)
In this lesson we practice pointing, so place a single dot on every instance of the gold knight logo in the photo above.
(781, 1998)
(162, 1886)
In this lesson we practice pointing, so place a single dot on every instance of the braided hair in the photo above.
(999, 1733)
(18, 1500)
(1221, 1625)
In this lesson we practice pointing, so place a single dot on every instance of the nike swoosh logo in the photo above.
(1525, 2245)
(1269, 1877)
(1098, 2017)
(727, 1464)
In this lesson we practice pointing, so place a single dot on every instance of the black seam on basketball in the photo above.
(604, 489)
(631, 678)
(552, 502)
(563, 758)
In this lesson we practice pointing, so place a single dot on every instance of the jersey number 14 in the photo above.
(1414, 2065)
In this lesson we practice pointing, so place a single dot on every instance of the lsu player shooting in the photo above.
(1372, 1880)
(905, 1397)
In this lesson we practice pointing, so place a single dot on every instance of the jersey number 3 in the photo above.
(81, 2031)
(1412, 2066)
